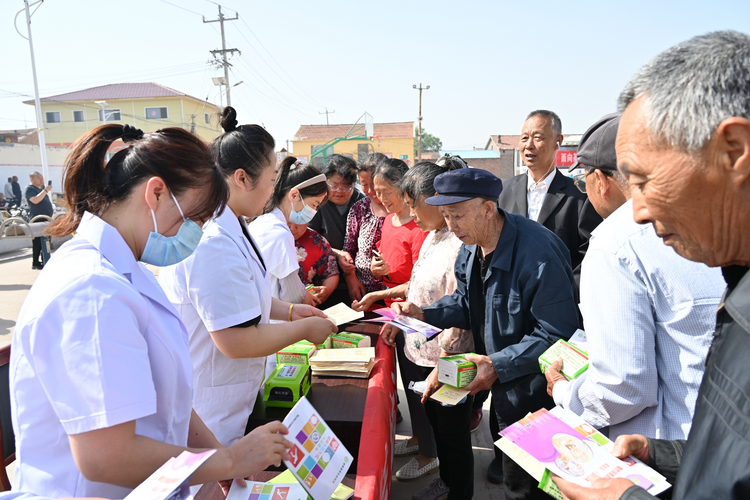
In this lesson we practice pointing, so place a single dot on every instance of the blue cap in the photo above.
(465, 184)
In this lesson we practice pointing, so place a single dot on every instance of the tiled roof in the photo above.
(116, 91)
(505, 141)
(400, 130)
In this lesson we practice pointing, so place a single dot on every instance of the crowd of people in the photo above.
(114, 372)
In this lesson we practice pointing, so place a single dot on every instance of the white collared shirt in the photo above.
(221, 285)
(97, 344)
(535, 193)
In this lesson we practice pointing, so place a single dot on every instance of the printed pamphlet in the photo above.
(561, 442)
(317, 458)
(405, 323)
(341, 313)
(267, 491)
(170, 481)
(343, 492)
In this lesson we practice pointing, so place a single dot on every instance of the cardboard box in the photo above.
(296, 354)
(345, 340)
(456, 371)
(286, 385)
(575, 361)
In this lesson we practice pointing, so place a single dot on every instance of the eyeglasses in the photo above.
(339, 187)
(580, 180)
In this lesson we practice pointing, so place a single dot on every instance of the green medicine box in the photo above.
(456, 371)
(575, 361)
(296, 354)
(325, 345)
(345, 340)
(286, 385)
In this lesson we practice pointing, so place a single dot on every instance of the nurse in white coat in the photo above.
(222, 291)
(298, 192)
(100, 374)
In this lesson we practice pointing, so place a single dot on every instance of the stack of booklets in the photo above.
(561, 442)
(356, 363)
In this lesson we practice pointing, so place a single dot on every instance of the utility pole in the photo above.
(37, 102)
(224, 50)
(326, 112)
(420, 88)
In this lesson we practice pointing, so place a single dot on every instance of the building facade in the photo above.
(147, 106)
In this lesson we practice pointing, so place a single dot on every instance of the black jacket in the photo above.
(566, 211)
(331, 224)
(714, 462)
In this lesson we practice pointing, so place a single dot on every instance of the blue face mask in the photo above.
(302, 217)
(165, 251)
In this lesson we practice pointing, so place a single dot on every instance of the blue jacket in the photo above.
(526, 303)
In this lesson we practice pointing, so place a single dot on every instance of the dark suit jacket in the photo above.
(566, 211)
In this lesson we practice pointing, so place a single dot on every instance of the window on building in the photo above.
(78, 116)
(109, 115)
(159, 113)
(53, 116)
(208, 118)
(362, 150)
(320, 159)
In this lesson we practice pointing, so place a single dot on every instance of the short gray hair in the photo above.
(34, 174)
(690, 88)
(551, 115)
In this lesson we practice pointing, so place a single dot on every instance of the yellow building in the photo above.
(147, 106)
(395, 140)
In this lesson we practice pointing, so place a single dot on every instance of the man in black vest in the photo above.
(39, 204)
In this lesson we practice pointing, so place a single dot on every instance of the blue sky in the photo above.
(488, 63)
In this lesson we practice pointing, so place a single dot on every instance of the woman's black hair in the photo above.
(246, 147)
(290, 174)
(342, 165)
(175, 155)
(392, 170)
(420, 178)
(370, 162)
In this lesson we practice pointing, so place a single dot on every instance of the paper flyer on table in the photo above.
(171, 479)
(317, 458)
(566, 445)
(341, 313)
(267, 491)
(406, 323)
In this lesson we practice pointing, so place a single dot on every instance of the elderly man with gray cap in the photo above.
(515, 292)
(684, 147)
(648, 313)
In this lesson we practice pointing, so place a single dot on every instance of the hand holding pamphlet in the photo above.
(561, 442)
(341, 313)
(317, 458)
(405, 323)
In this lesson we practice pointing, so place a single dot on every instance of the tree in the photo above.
(430, 143)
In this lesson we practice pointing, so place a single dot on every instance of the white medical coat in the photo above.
(277, 246)
(96, 344)
(221, 285)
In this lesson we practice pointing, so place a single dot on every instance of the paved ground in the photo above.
(16, 278)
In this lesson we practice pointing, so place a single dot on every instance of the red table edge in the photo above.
(375, 459)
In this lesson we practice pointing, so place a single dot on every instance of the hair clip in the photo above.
(130, 133)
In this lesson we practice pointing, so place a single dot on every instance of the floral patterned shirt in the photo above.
(317, 261)
(431, 279)
(363, 231)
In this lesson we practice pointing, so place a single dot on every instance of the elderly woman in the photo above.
(331, 219)
(438, 430)
(363, 231)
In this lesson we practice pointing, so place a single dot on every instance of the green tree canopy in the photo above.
(430, 143)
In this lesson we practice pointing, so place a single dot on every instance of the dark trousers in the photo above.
(36, 250)
(453, 438)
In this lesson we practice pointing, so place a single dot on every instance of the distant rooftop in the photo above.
(116, 91)
(472, 153)
(398, 130)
